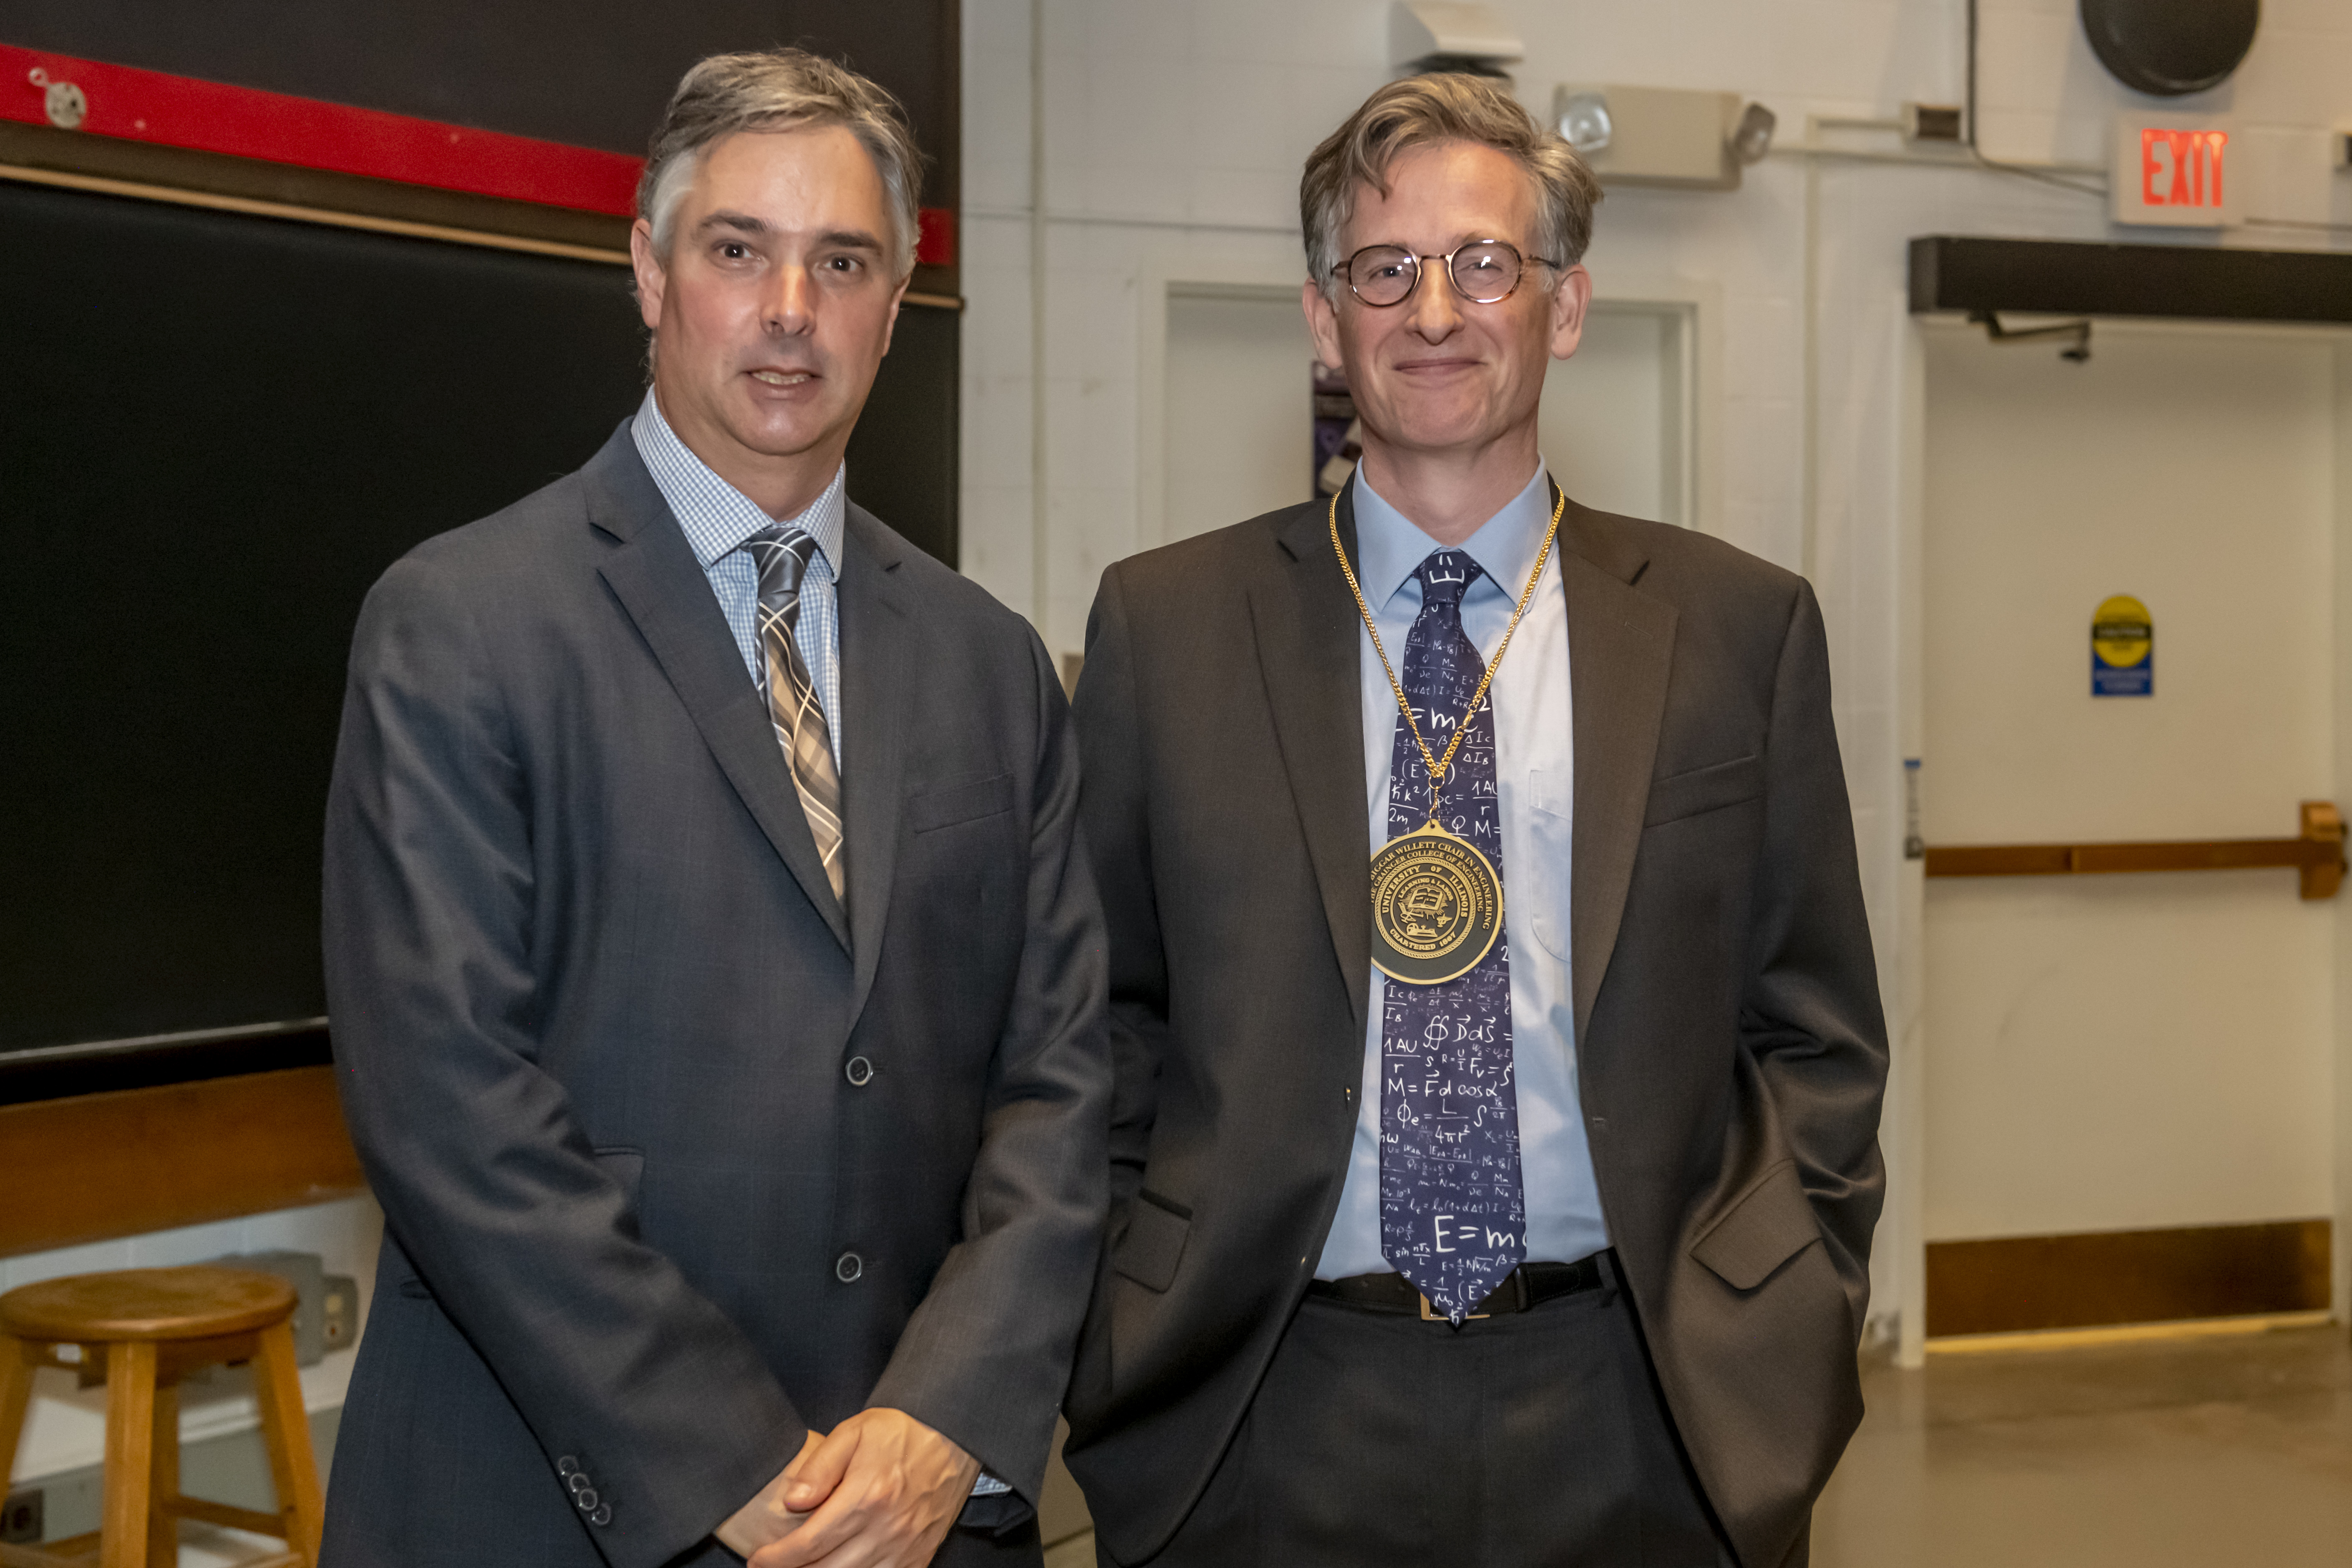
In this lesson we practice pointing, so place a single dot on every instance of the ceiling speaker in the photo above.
(2168, 47)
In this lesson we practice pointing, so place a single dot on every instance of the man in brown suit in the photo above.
(1453, 1226)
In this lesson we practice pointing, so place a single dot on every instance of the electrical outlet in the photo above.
(339, 1313)
(1932, 122)
(21, 1518)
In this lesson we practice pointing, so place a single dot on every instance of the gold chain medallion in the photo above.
(1437, 906)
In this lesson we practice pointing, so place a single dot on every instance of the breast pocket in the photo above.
(1551, 793)
(956, 901)
(955, 804)
(1706, 789)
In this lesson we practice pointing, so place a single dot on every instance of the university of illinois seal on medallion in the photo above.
(1437, 906)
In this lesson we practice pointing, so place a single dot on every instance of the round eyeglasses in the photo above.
(1483, 271)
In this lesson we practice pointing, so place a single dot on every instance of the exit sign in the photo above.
(2178, 172)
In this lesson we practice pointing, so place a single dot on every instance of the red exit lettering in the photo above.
(2181, 168)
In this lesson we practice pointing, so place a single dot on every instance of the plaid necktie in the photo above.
(1453, 1215)
(783, 554)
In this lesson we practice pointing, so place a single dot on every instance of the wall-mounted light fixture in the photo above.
(1584, 120)
(1664, 136)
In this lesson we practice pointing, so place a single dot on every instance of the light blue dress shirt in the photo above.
(1534, 778)
(717, 518)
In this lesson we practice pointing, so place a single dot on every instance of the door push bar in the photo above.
(2318, 855)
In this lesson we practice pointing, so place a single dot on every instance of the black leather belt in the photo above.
(1528, 1285)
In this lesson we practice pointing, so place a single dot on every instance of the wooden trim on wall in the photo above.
(104, 1165)
(215, 202)
(2015, 1284)
(310, 190)
(479, 220)
(42, 154)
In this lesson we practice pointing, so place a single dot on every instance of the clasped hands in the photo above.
(880, 1490)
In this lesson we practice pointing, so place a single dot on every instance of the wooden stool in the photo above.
(139, 1331)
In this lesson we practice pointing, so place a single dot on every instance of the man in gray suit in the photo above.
(716, 985)
(1497, 1047)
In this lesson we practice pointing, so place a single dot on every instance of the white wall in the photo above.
(1172, 135)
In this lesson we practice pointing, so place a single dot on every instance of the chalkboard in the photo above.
(220, 429)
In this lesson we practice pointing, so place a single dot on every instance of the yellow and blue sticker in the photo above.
(2123, 650)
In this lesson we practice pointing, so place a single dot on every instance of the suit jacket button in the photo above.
(847, 1268)
(604, 1514)
(567, 1465)
(859, 1071)
(586, 1501)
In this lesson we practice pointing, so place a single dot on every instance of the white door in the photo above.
(1240, 409)
(1614, 425)
(2141, 1051)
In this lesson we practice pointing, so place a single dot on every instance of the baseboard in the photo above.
(2173, 1332)
(2019, 1284)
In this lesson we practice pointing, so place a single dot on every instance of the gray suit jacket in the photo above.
(676, 1159)
(1731, 1051)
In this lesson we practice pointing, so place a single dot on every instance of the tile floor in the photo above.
(2224, 1449)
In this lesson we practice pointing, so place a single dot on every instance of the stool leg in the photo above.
(130, 1453)
(287, 1427)
(15, 1393)
(163, 1481)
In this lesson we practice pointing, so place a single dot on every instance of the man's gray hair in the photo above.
(1420, 111)
(779, 89)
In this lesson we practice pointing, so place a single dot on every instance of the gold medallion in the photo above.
(1437, 906)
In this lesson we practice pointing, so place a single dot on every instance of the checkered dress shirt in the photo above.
(717, 518)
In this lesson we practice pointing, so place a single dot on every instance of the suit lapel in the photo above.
(876, 683)
(1619, 650)
(1306, 643)
(660, 584)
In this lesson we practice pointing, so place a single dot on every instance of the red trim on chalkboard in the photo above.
(935, 238)
(136, 105)
(156, 107)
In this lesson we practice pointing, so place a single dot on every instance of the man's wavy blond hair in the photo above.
(1420, 111)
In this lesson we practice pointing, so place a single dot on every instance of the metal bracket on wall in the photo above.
(2078, 333)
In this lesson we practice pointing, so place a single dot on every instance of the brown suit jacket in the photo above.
(1731, 1048)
